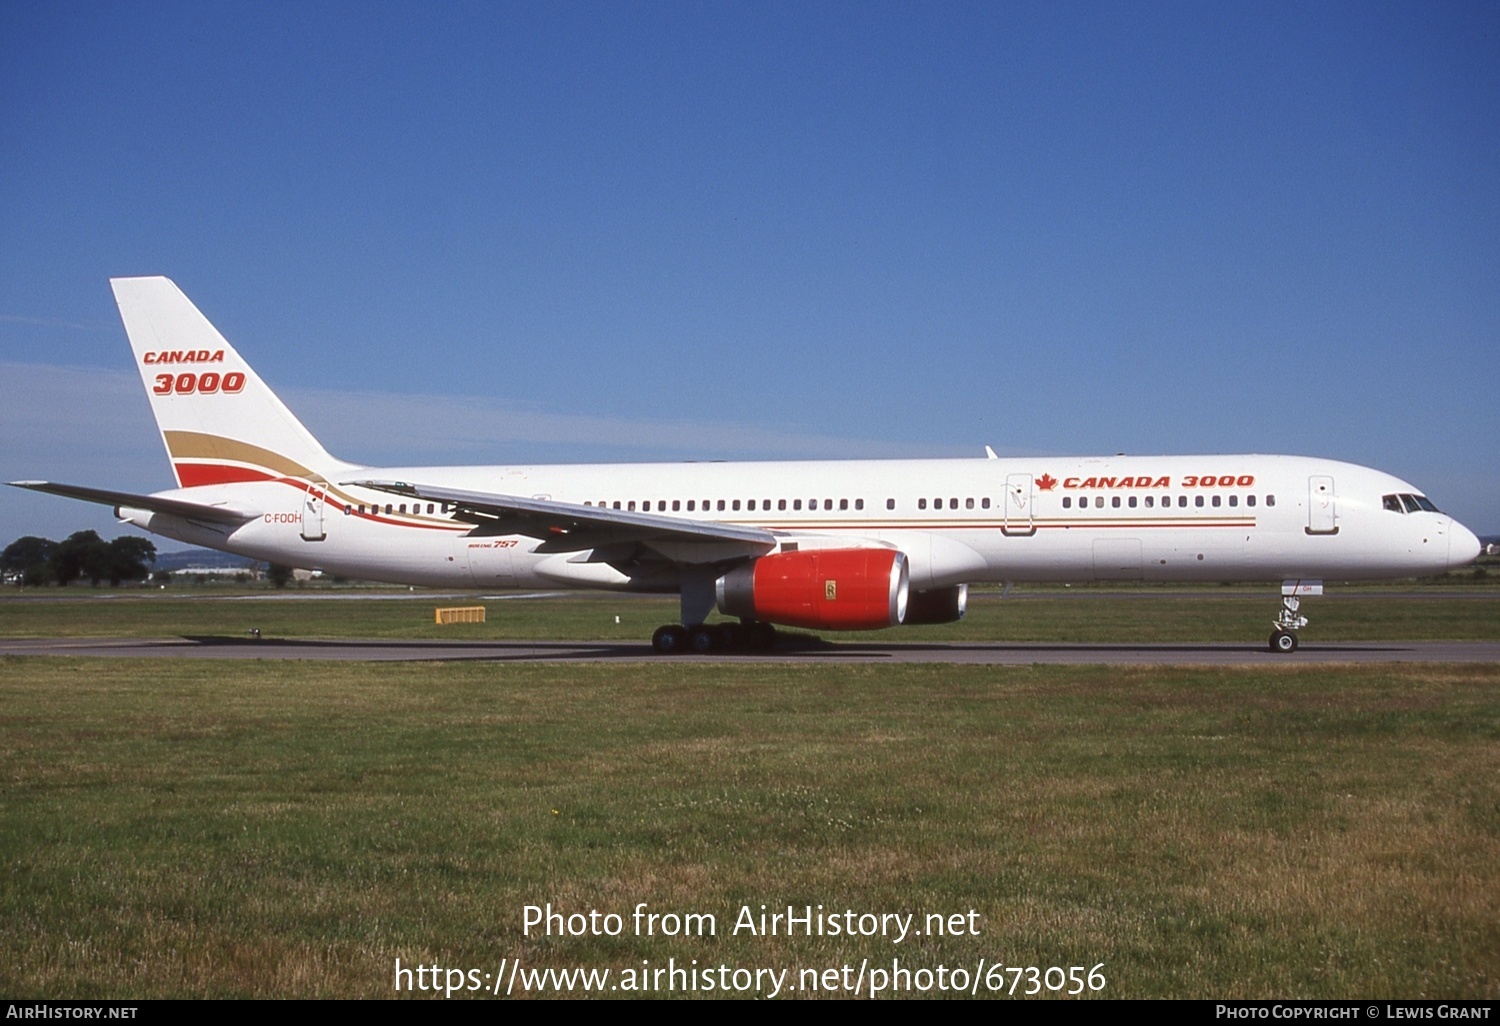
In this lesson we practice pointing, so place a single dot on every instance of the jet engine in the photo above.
(939, 605)
(822, 589)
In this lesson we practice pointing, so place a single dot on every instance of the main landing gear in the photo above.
(703, 638)
(1290, 620)
(699, 597)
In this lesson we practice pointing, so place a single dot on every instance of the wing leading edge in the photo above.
(568, 527)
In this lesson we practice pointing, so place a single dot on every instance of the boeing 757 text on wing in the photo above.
(822, 545)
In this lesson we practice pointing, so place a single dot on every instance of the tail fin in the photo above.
(218, 420)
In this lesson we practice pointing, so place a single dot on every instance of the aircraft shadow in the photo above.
(396, 650)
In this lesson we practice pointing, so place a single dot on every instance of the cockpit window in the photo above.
(1408, 504)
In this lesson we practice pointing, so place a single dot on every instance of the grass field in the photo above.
(175, 828)
(1089, 615)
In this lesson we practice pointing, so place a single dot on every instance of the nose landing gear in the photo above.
(1290, 620)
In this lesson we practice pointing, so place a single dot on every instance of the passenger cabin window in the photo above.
(921, 504)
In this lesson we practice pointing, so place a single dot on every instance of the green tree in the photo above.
(280, 576)
(81, 554)
(31, 557)
(128, 558)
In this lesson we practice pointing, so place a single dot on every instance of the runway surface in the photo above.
(793, 651)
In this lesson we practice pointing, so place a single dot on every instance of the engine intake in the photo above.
(824, 589)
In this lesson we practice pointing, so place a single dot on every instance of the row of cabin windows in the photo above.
(984, 503)
(781, 505)
(733, 505)
(1149, 501)
(750, 505)
(416, 508)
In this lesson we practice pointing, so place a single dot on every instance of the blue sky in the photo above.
(549, 232)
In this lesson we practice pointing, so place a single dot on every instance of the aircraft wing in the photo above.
(223, 514)
(568, 527)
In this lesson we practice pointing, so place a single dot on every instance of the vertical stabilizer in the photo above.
(218, 420)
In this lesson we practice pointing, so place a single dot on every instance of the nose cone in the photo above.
(1463, 545)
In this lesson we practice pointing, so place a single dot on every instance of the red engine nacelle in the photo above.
(825, 589)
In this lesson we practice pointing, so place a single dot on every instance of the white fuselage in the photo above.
(1152, 518)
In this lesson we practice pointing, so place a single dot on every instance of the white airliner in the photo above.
(826, 545)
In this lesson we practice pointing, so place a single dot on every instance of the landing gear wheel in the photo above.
(759, 637)
(727, 637)
(702, 639)
(669, 640)
(1283, 641)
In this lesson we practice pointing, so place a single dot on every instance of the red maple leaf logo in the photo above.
(1046, 482)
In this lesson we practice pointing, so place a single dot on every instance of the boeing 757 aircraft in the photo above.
(825, 545)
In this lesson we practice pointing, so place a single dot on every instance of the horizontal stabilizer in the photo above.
(220, 513)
